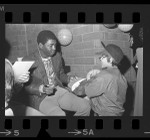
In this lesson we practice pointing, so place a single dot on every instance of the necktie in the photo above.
(49, 70)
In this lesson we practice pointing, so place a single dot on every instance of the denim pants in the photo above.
(63, 99)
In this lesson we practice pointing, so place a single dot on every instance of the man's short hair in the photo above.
(9, 80)
(44, 36)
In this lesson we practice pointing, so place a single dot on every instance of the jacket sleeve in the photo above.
(64, 78)
(98, 86)
(32, 86)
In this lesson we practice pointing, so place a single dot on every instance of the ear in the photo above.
(40, 45)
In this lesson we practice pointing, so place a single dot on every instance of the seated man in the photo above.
(12, 108)
(107, 89)
(45, 89)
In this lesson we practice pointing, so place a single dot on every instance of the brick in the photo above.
(83, 45)
(91, 52)
(83, 30)
(124, 37)
(92, 36)
(98, 44)
(111, 36)
(31, 50)
(18, 32)
(76, 39)
(105, 29)
(88, 68)
(102, 28)
(21, 37)
(17, 27)
(67, 49)
(77, 68)
(84, 61)
(60, 26)
(30, 41)
(30, 27)
(72, 26)
(116, 42)
(23, 32)
(68, 61)
(115, 30)
(14, 43)
(24, 42)
(81, 74)
(97, 66)
(11, 37)
(96, 27)
(73, 54)
(22, 46)
(32, 46)
(22, 53)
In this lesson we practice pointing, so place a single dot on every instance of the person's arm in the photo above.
(98, 86)
(33, 86)
(34, 83)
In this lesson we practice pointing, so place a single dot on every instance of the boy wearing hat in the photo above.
(107, 89)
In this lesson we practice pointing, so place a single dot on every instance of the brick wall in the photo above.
(80, 54)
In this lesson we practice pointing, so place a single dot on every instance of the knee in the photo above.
(86, 106)
(62, 113)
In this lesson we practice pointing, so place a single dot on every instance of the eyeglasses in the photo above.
(103, 56)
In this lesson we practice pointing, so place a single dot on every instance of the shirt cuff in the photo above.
(41, 89)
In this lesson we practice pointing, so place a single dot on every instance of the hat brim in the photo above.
(104, 51)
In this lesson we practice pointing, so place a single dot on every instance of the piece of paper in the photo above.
(21, 67)
(76, 84)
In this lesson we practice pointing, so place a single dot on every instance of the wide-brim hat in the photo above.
(113, 50)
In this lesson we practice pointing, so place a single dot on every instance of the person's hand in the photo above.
(69, 89)
(72, 77)
(92, 73)
(80, 91)
(23, 78)
(48, 89)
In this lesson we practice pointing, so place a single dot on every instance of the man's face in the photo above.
(49, 47)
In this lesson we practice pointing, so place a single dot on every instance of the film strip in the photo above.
(69, 126)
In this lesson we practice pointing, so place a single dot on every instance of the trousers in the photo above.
(64, 100)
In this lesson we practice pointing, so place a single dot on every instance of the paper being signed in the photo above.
(21, 67)
(76, 84)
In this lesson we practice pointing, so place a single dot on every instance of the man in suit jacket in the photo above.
(45, 91)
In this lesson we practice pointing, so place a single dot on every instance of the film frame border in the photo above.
(138, 129)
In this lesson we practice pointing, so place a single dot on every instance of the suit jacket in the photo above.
(30, 92)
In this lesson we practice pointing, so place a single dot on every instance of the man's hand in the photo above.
(80, 91)
(48, 90)
(23, 78)
(72, 77)
(92, 73)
